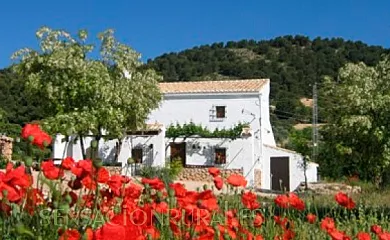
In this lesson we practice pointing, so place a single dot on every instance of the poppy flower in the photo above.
(376, 229)
(258, 220)
(336, 234)
(39, 137)
(50, 170)
(328, 224)
(70, 234)
(103, 175)
(214, 171)
(311, 218)
(363, 236)
(237, 180)
(249, 199)
(282, 201)
(384, 236)
(67, 163)
(154, 183)
(218, 182)
(343, 200)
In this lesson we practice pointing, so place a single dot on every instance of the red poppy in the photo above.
(336, 234)
(39, 137)
(218, 182)
(154, 183)
(14, 182)
(344, 200)
(328, 224)
(311, 218)
(214, 171)
(180, 190)
(363, 236)
(237, 180)
(282, 201)
(376, 229)
(258, 220)
(384, 236)
(249, 199)
(67, 163)
(51, 171)
(70, 234)
(103, 175)
(115, 184)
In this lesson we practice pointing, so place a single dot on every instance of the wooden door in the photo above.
(280, 173)
(178, 150)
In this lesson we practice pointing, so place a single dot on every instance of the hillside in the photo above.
(292, 63)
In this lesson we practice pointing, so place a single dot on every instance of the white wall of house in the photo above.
(198, 108)
(153, 148)
(296, 170)
(239, 153)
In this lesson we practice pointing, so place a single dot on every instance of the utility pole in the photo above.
(315, 124)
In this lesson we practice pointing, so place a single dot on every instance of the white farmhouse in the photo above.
(223, 104)
(212, 104)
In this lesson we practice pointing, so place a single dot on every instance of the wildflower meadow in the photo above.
(94, 204)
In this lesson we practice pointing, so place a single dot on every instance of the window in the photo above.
(220, 156)
(136, 155)
(218, 113)
(221, 113)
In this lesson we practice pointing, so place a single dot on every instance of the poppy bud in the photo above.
(45, 144)
(5, 194)
(64, 208)
(30, 138)
(205, 187)
(94, 144)
(97, 163)
(159, 194)
(28, 161)
(171, 192)
(68, 198)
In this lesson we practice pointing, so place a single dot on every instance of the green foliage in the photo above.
(300, 141)
(3, 162)
(192, 129)
(357, 132)
(175, 166)
(115, 93)
(293, 63)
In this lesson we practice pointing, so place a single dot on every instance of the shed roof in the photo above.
(219, 86)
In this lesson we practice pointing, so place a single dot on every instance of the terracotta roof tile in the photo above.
(226, 86)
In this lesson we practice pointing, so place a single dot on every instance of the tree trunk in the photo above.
(118, 149)
(304, 172)
(82, 146)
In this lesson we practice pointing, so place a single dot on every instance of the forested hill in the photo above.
(292, 63)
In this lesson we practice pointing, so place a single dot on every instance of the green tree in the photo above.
(108, 96)
(359, 123)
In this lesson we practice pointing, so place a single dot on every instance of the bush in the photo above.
(175, 166)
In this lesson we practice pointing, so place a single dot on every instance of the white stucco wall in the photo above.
(107, 148)
(295, 165)
(239, 153)
(240, 107)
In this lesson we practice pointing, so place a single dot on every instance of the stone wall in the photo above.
(257, 178)
(6, 147)
(202, 174)
(114, 170)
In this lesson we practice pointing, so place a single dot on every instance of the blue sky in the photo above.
(154, 27)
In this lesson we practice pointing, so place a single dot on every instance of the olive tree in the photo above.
(88, 95)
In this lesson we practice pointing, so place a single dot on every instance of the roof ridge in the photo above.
(214, 86)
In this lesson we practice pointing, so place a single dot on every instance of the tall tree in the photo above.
(359, 120)
(88, 95)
